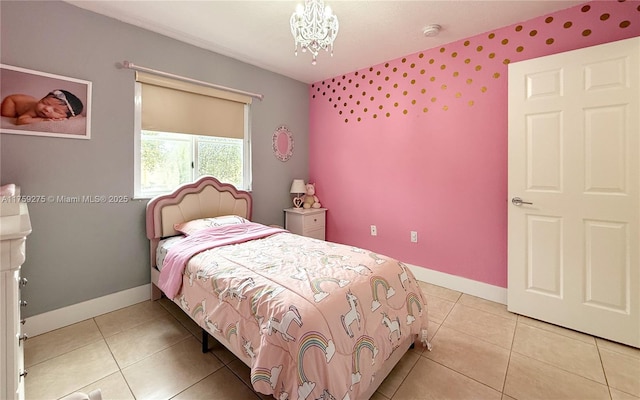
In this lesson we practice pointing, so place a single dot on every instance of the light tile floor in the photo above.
(151, 350)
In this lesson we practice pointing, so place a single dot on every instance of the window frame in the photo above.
(138, 193)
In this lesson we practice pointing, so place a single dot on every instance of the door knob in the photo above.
(517, 201)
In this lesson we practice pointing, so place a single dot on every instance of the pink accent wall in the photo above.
(420, 143)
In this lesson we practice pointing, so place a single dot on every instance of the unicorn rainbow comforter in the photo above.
(311, 318)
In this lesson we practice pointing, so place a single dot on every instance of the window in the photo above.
(184, 131)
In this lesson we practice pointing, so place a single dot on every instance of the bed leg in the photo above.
(156, 293)
(205, 341)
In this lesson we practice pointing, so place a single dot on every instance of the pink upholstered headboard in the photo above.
(206, 197)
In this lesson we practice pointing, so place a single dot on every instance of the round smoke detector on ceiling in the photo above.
(431, 30)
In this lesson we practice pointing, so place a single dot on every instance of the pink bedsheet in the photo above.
(176, 260)
(311, 318)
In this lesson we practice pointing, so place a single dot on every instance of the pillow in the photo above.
(193, 226)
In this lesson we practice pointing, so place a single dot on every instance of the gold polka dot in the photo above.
(413, 102)
(413, 65)
(413, 81)
(492, 55)
(370, 69)
(422, 71)
(443, 67)
(586, 8)
(404, 60)
(386, 78)
(456, 73)
(386, 65)
(454, 54)
(420, 55)
(458, 95)
(496, 75)
(479, 48)
(359, 119)
(443, 87)
(467, 43)
(586, 32)
(506, 61)
(375, 115)
(604, 17)
(423, 91)
(624, 24)
(357, 85)
(433, 99)
(395, 104)
(431, 61)
(363, 76)
(395, 85)
(549, 41)
(404, 75)
(388, 95)
(518, 28)
(567, 24)
(388, 115)
(548, 20)
(469, 81)
(370, 81)
(356, 74)
(346, 120)
(366, 109)
(519, 49)
(445, 108)
(470, 102)
(442, 49)
(371, 98)
(432, 79)
(478, 67)
(467, 61)
(351, 112)
(533, 33)
(424, 110)
(340, 112)
(358, 102)
(504, 41)
(404, 112)
(380, 106)
(491, 35)
(364, 93)
(405, 93)
(483, 89)
(379, 88)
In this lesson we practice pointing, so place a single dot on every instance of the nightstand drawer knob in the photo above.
(23, 282)
(23, 338)
(23, 303)
(24, 373)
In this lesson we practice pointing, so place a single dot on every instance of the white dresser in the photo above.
(14, 228)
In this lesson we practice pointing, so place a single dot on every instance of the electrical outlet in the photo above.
(414, 237)
(374, 230)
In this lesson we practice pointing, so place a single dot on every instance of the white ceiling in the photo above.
(371, 31)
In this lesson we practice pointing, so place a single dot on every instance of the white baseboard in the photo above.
(62, 317)
(464, 285)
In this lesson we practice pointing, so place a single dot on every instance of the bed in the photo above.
(312, 319)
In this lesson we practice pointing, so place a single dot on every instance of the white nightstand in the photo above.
(309, 222)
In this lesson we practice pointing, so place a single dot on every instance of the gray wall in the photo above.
(78, 252)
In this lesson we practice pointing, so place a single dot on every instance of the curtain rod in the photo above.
(130, 65)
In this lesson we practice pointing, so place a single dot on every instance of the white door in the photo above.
(574, 129)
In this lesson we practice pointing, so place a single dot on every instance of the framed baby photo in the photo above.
(43, 104)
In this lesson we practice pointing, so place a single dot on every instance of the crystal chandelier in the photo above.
(314, 27)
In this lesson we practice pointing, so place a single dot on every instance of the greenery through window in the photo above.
(168, 160)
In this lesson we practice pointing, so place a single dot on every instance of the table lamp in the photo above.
(298, 188)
